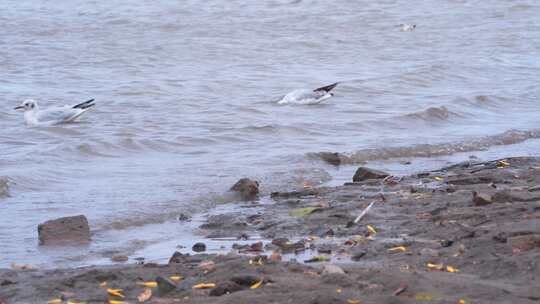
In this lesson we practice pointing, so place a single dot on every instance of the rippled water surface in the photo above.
(186, 95)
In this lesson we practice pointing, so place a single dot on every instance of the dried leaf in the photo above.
(402, 287)
(55, 301)
(256, 285)
(371, 229)
(435, 266)
(438, 178)
(176, 278)
(148, 284)
(318, 258)
(145, 295)
(339, 290)
(204, 286)
(16, 266)
(103, 284)
(423, 297)
(503, 164)
(351, 301)
(398, 248)
(451, 269)
(370, 238)
(302, 211)
(461, 301)
(115, 292)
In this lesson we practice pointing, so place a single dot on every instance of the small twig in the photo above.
(364, 212)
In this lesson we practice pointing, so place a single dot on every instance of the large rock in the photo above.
(65, 230)
(246, 188)
(364, 173)
(481, 199)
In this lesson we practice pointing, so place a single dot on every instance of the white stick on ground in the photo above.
(364, 212)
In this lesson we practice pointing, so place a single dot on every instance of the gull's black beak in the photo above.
(18, 108)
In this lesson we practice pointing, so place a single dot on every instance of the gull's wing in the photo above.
(327, 88)
(58, 114)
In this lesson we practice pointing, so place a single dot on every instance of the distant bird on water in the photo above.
(308, 97)
(35, 116)
(407, 27)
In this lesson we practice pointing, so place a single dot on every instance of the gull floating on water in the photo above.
(308, 97)
(33, 115)
(407, 27)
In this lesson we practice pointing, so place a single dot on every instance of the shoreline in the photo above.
(427, 238)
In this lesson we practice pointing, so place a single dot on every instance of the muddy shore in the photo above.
(467, 233)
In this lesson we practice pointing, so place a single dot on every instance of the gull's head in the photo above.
(27, 105)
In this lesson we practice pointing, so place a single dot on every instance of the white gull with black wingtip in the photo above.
(308, 97)
(34, 116)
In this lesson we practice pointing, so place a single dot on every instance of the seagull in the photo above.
(34, 116)
(407, 27)
(308, 97)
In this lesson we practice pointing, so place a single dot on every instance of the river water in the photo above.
(186, 93)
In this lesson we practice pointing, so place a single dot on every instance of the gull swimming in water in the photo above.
(308, 97)
(33, 115)
(407, 27)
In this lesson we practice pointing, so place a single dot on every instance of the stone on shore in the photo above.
(481, 199)
(364, 173)
(331, 268)
(65, 230)
(246, 188)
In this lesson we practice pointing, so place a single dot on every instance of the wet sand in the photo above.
(427, 238)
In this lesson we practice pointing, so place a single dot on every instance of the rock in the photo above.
(525, 242)
(246, 188)
(534, 188)
(7, 282)
(4, 188)
(446, 243)
(225, 288)
(364, 173)
(331, 268)
(256, 246)
(71, 229)
(199, 247)
(429, 252)
(245, 280)
(275, 257)
(481, 199)
(119, 258)
(325, 248)
(357, 254)
(333, 158)
(184, 217)
(322, 232)
(287, 246)
(164, 286)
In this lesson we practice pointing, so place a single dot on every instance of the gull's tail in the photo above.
(85, 105)
(327, 88)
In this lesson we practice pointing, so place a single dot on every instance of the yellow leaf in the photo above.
(302, 211)
(351, 301)
(423, 297)
(461, 301)
(204, 286)
(145, 295)
(370, 237)
(148, 284)
(398, 248)
(435, 266)
(256, 285)
(55, 301)
(371, 229)
(438, 178)
(115, 292)
(176, 278)
(451, 269)
(339, 290)
(116, 302)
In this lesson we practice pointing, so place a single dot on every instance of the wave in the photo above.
(432, 114)
(428, 150)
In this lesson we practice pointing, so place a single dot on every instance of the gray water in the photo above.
(186, 95)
